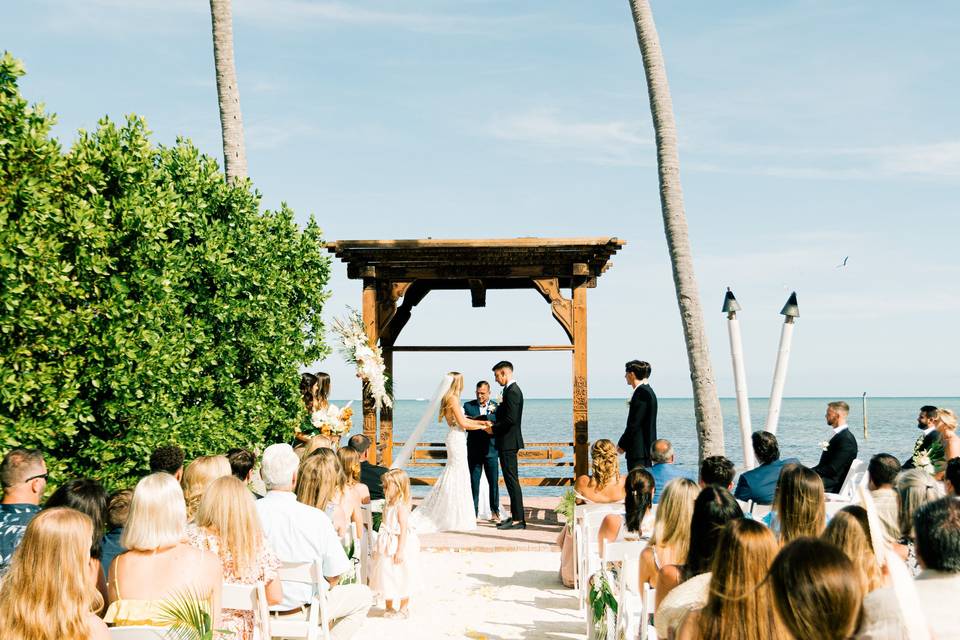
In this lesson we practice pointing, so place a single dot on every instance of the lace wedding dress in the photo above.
(449, 505)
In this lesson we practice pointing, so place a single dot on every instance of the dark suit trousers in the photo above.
(490, 465)
(511, 478)
(633, 463)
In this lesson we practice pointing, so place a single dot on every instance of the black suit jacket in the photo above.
(641, 428)
(371, 475)
(506, 430)
(836, 460)
(478, 440)
(929, 440)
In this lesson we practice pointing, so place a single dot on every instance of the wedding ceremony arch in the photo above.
(398, 274)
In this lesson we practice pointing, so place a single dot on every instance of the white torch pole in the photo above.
(791, 311)
(730, 307)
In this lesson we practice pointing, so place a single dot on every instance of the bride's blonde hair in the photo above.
(452, 395)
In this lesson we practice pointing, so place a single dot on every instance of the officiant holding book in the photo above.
(482, 454)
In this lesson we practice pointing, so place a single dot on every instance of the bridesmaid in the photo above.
(315, 391)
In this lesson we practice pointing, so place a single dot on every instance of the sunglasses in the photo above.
(41, 475)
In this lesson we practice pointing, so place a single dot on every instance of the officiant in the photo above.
(482, 456)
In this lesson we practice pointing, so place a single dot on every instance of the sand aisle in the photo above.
(485, 595)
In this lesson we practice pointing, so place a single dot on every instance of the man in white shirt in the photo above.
(301, 533)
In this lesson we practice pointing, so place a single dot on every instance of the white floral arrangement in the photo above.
(332, 422)
(928, 459)
(368, 359)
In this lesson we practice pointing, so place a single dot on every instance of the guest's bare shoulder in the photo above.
(98, 628)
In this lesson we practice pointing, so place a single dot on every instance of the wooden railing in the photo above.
(535, 454)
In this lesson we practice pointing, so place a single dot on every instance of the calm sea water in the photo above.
(892, 427)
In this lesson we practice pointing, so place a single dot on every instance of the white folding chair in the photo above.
(366, 543)
(629, 605)
(139, 633)
(248, 597)
(649, 605)
(856, 477)
(587, 519)
(317, 624)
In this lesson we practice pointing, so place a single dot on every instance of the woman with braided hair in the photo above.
(605, 485)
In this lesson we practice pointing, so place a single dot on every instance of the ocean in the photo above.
(892, 424)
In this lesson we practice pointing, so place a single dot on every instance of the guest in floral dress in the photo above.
(397, 547)
(228, 526)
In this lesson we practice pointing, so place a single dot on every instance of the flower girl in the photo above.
(397, 546)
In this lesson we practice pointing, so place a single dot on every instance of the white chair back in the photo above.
(366, 542)
(248, 597)
(627, 592)
(856, 476)
(649, 606)
(139, 633)
(587, 519)
(317, 624)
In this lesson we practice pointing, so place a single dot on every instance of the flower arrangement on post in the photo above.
(367, 358)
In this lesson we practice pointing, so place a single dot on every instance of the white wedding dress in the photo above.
(449, 505)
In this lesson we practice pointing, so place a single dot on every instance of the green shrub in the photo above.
(142, 299)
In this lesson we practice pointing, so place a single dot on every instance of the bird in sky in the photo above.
(844, 263)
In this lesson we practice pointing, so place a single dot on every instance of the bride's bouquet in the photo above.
(368, 359)
(332, 422)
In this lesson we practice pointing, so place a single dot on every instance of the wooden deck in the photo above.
(541, 533)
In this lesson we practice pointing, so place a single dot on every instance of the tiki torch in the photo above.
(790, 312)
(730, 307)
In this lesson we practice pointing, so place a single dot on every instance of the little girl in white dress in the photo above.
(397, 547)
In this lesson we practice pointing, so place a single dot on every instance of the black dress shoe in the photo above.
(505, 524)
(517, 524)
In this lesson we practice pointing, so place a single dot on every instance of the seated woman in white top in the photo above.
(634, 523)
(670, 540)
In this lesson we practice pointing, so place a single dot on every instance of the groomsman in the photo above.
(641, 428)
(926, 422)
(841, 450)
(482, 450)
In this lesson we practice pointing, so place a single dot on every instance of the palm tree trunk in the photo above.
(705, 400)
(228, 93)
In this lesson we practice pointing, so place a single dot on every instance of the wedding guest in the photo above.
(812, 590)
(23, 474)
(951, 477)
(947, 426)
(242, 463)
(717, 470)
(841, 449)
(300, 533)
(227, 525)
(882, 471)
(49, 592)
(118, 510)
(671, 530)
(393, 572)
(635, 522)
(664, 470)
(370, 475)
(929, 436)
(799, 508)
(937, 526)
(641, 429)
(321, 484)
(197, 477)
(169, 459)
(605, 484)
(740, 601)
(159, 564)
(760, 483)
(850, 532)
(357, 493)
(915, 488)
(683, 588)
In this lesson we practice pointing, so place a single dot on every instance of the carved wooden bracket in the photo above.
(393, 318)
(562, 307)
(478, 293)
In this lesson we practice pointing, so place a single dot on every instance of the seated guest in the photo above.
(118, 509)
(605, 484)
(947, 426)
(760, 483)
(634, 524)
(718, 471)
(882, 471)
(915, 488)
(168, 459)
(850, 532)
(197, 477)
(242, 462)
(228, 526)
(664, 470)
(799, 508)
(358, 492)
(671, 530)
(841, 449)
(159, 564)
(681, 589)
(929, 436)
(937, 525)
(813, 593)
(23, 475)
(300, 533)
(951, 477)
(50, 591)
(321, 484)
(370, 475)
(740, 601)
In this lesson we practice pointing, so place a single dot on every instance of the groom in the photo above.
(509, 440)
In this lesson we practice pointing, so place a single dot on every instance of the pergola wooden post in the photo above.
(398, 274)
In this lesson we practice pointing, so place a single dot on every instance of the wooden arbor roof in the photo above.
(398, 274)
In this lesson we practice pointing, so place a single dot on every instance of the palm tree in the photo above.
(231, 122)
(705, 400)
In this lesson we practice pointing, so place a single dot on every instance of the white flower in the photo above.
(824, 445)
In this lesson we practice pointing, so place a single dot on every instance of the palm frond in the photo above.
(188, 613)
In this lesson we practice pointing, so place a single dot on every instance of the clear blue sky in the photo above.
(809, 131)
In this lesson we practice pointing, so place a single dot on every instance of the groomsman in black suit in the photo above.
(482, 450)
(641, 428)
(841, 450)
(926, 421)
(509, 440)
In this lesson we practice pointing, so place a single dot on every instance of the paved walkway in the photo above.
(540, 535)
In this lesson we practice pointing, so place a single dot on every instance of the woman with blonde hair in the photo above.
(50, 590)
(227, 525)
(159, 564)
(356, 493)
(849, 530)
(321, 484)
(740, 601)
(197, 477)
(605, 484)
(671, 530)
(947, 428)
(799, 504)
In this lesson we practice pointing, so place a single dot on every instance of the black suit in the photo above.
(836, 460)
(509, 440)
(641, 428)
(371, 475)
(929, 440)
(482, 456)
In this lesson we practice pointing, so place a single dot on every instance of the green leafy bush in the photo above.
(142, 299)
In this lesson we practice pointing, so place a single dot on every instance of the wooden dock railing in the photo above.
(548, 455)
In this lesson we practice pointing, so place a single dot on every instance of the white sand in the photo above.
(485, 595)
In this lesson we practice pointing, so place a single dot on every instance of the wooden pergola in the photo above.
(398, 274)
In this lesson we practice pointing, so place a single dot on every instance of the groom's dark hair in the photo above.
(639, 368)
(503, 364)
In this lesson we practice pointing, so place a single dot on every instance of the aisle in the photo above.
(485, 596)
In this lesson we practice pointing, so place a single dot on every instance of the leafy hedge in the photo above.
(142, 299)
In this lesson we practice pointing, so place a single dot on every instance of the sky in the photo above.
(809, 131)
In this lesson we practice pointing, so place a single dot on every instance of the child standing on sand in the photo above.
(397, 547)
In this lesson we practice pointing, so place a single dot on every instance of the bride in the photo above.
(449, 505)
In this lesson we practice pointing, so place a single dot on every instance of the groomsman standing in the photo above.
(641, 428)
(927, 422)
(482, 450)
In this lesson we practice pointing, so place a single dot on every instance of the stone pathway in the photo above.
(540, 535)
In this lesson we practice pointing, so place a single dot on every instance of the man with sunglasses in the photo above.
(23, 474)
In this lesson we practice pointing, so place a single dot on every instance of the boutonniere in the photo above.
(500, 398)
(824, 445)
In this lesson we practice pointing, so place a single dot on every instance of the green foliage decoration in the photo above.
(142, 299)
